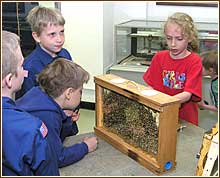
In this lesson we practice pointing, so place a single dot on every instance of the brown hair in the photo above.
(188, 28)
(39, 17)
(61, 74)
(10, 44)
(210, 60)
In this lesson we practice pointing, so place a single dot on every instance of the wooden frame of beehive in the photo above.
(166, 121)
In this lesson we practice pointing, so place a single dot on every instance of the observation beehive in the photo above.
(138, 121)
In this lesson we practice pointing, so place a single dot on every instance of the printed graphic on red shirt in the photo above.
(43, 130)
(173, 79)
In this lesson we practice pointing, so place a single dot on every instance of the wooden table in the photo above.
(108, 161)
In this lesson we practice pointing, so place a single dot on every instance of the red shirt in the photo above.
(173, 76)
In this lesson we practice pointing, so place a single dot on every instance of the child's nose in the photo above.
(173, 43)
(59, 38)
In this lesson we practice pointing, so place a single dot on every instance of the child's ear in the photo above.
(36, 37)
(68, 93)
(8, 80)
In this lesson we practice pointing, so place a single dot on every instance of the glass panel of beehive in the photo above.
(134, 122)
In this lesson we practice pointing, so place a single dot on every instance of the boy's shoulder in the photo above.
(38, 105)
(65, 53)
(19, 118)
(38, 55)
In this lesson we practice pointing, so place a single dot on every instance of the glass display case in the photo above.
(137, 41)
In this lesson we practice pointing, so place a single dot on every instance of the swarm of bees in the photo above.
(134, 122)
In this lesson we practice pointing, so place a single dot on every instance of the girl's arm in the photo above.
(183, 96)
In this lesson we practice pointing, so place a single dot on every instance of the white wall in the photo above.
(108, 38)
(128, 10)
(161, 12)
(47, 3)
(84, 38)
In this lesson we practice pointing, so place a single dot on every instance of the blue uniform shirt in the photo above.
(34, 64)
(39, 104)
(25, 148)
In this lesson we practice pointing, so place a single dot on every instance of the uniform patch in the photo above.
(43, 130)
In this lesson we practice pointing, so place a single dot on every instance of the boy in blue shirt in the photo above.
(210, 68)
(60, 88)
(47, 26)
(25, 148)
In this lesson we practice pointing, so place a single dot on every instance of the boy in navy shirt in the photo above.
(47, 25)
(60, 88)
(210, 68)
(25, 148)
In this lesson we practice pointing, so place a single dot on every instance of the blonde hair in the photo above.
(61, 74)
(10, 44)
(189, 29)
(210, 60)
(39, 17)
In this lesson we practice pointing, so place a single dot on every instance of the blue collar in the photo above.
(45, 58)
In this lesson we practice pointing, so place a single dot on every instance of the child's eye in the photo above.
(62, 32)
(52, 34)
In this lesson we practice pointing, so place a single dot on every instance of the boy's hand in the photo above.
(205, 105)
(91, 143)
(74, 115)
(202, 104)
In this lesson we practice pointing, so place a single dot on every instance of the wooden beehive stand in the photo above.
(167, 106)
(208, 153)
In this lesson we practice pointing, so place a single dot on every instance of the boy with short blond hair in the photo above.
(40, 17)
(25, 147)
(47, 25)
